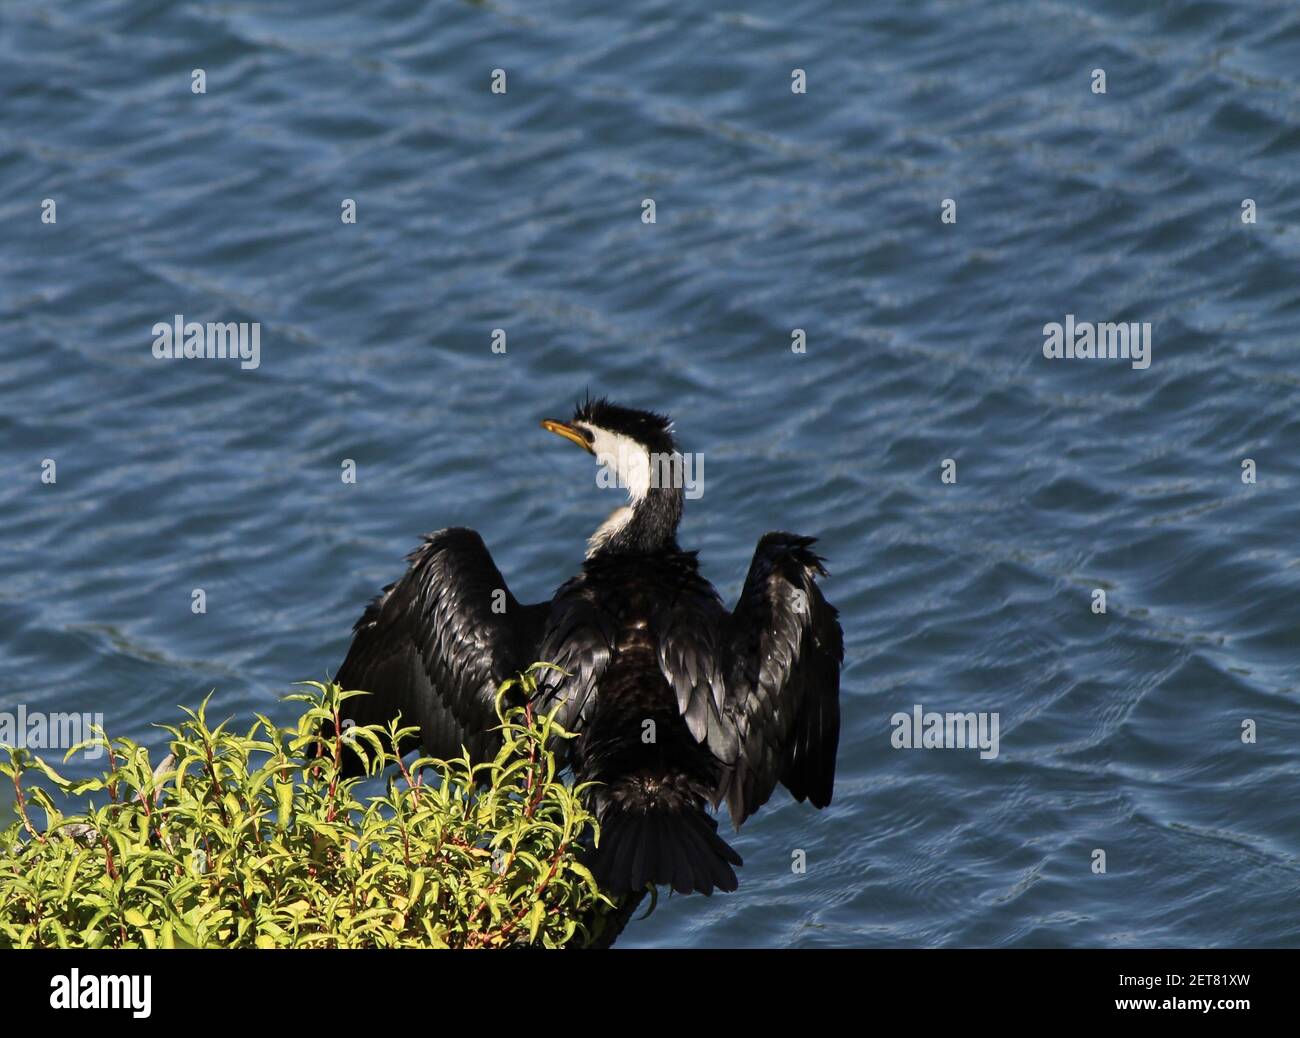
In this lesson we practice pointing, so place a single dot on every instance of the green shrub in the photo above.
(254, 841)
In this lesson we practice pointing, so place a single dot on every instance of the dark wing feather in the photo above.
(692, 629)
(579, 638)
(434, 648)
(783, 679)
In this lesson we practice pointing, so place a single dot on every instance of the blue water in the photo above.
(775, 211)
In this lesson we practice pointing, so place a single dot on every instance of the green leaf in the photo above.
(274, 852)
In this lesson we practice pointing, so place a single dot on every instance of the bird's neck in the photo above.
(641, 527)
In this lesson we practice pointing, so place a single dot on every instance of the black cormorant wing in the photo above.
(436, 645)
(686, 625)
(759, 686)
(578, 641)
(782, 671)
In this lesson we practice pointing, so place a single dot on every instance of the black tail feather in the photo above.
(680, 849)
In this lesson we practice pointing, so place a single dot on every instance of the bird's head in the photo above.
(636, 451)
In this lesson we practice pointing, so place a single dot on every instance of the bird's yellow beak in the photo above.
(568, 432)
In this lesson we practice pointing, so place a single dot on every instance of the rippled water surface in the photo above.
(775, 211)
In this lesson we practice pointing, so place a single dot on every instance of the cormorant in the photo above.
(676, 702)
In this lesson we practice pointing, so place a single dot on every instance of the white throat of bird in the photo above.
(624, 463)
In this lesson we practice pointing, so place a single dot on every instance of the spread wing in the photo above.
(692, 629)
(783, 654)
(579, 639)
(437, 644)
(684, 627)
